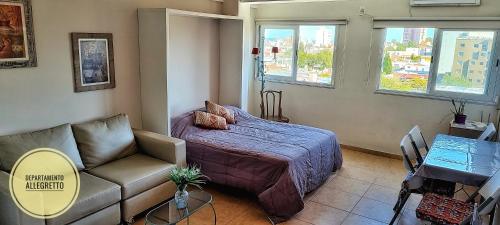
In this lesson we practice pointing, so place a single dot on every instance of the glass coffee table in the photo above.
(168, 214)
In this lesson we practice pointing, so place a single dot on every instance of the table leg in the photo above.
(215, 214)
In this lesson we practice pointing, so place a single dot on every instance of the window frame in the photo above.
(490, 88)
(261, 26)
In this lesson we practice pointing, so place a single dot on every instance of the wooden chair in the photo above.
(487, 134)
(275, 112)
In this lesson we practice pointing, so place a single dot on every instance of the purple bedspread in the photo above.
(278, 162)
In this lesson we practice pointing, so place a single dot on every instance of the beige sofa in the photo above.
(123, 172)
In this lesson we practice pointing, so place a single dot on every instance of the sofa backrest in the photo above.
(12, 147)
(105, 140)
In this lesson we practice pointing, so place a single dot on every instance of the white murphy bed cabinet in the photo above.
(185, 58)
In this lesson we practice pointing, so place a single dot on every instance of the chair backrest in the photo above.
(491, 193)
(409, 155)
(271, 104)
(488, 132)
(418, 142)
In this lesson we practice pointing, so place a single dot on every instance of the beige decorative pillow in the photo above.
(106, 140)
(208, 120)
(220, 111)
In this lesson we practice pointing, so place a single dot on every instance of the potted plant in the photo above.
(183, 177)
(458, 111)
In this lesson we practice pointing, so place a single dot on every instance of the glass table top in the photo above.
(168, 214)
(464, 154)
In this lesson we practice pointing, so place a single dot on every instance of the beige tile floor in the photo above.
(363, 192)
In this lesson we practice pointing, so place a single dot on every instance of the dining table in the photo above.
(461, 160)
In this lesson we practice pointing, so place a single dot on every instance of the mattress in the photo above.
(278, 162)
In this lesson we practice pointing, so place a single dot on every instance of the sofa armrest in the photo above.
(169, 149)
(10, 213)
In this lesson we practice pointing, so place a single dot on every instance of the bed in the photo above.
(278, 162)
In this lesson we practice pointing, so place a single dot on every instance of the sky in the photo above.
(306, 32)
(397, 33)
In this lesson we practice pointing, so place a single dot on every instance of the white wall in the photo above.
(247, 90)
(358, 116)
(231, 53)
(193, 70)
(33, 98)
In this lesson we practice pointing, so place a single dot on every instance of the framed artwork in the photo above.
(17, 42)
(93, 62)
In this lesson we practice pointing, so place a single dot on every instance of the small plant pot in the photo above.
(460, 119)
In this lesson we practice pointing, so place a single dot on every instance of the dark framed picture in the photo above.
(17, 42)
(93, 62)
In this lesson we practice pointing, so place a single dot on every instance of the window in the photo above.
(453, 78)
(306, 53)
(453, 68)
(484, 46)
(404, 67)
(475, 55)
(283, 38)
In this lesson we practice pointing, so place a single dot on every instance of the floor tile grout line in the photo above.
(364, 195)
(357, 179)
(304, 221)
(323, 204)
(319, 203)
(342, 190)
(371, 218)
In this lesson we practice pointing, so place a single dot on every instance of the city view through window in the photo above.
(310, 57)
(462, 64)
(464, 61)
(407, 59)
(283, 38)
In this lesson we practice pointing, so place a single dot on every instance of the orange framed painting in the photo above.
(17, 42)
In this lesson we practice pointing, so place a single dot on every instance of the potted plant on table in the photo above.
(458, 111)
(184, 177)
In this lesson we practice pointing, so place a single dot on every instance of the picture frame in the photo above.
(17, 39)
(93, 61)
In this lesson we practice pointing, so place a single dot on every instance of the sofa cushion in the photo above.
(102, 141)
(9, 212)
(12, 147)
(107, 216)
(142, 173)
(95, 195)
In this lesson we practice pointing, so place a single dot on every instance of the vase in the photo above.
(460, 119)
(181, 198)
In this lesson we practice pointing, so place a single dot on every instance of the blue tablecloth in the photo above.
(461, 160)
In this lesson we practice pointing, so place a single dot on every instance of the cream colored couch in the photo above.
(123, 172)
